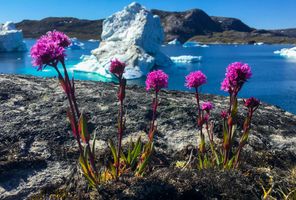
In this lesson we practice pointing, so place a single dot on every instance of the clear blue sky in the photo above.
(266, 14)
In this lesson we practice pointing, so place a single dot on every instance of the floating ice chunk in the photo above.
(287, 52)
(76, 44)
(186, 59)
(194, 44)
(259, 43)
(93, 40)
(174, 42)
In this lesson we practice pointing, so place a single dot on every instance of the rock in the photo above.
(73, 27)
(38, 154)
(134, 36)
(187, 24)
(186, 59)
(228, 23)
(11, 39)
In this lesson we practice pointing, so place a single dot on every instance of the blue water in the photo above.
(273, 81)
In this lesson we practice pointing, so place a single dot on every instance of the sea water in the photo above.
(273, 80)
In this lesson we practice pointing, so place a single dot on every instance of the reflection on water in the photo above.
(273, 81)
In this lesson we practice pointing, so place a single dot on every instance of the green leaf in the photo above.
(136, 152)
(234, 127)
(113, 150)
(85, 173)
(200, 161)
(84, 134)
(144, 164)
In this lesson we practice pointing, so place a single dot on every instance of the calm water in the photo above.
(273, 81)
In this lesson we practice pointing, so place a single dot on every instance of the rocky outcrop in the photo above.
(228, 23)
(38, 154)
(185, 25)
(73, 27)
(134, 36)
(11, 39)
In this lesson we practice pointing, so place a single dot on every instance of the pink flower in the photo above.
(224, 114)
(195, 79)
(207, 106)
(156, 79)
(236, 75)
(252, 103)
(62, 39)
(117, 67)
(46, 52)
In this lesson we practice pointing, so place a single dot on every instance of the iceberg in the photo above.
(259, 43)
(76, 44)
(11, 39)
(186, 59)
(287, 52)
(134, 36)
(194, 44)
(174, 42)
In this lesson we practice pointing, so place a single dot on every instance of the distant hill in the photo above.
(193, 25)
(184, 25)
(232, 24)
(80, 28)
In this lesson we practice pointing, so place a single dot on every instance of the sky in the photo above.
(262, 14)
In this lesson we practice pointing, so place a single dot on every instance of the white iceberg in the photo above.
(11, 39)
(287, 52)
(174, 42)
(186, 59)
(133, 36)
(259, 43)
(76, 44)
(194, 44)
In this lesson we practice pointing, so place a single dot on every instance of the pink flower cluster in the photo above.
(49, 49)
(236, 75)
(252, 103)
(117, 67)
(156, 80)
(195, 79)
(207, 106)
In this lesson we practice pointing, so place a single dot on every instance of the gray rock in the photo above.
(38, 151)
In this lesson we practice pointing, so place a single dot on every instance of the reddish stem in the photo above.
(68, 92)
(154, 110)
(120, 126)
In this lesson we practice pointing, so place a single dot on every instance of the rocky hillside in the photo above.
(232, 24)
(177, 25)
(184, 25)
(38, 155)
(80, 28)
